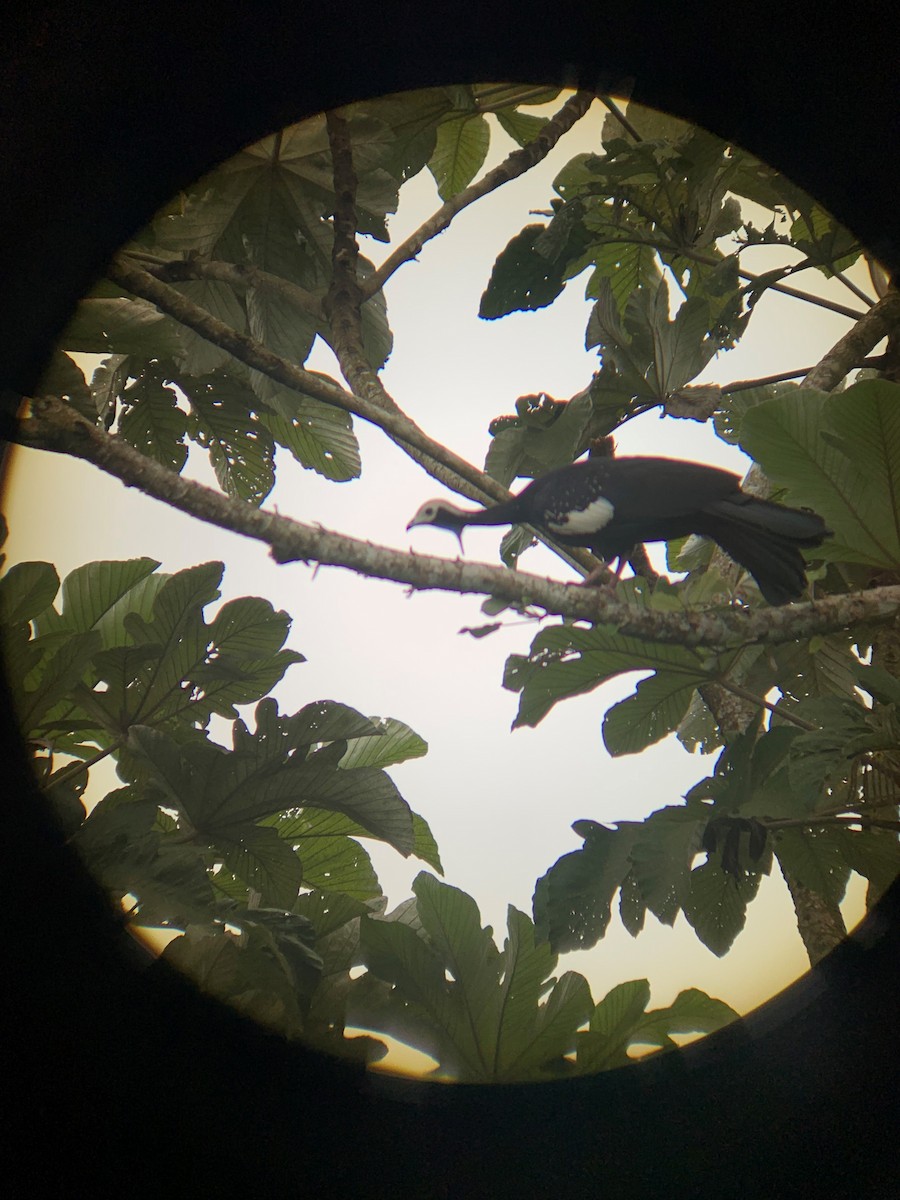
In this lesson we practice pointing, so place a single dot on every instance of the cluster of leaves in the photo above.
(252, 849)
(252, 852)
(251, 244)
(249, 846)
(840, 455)
(439, 982)
(660, 206)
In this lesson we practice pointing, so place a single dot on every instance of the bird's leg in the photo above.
(639, 562)
(603, 575)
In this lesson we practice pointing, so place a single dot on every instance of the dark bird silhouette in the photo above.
(610, 505)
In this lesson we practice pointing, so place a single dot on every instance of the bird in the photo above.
(611, 505)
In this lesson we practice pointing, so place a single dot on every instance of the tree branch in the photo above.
(856, 344)
(253, 354)
(54, 426)
(516, 164)
(240, 276)
(343, 308)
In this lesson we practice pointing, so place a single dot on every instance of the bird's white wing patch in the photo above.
(591, 519)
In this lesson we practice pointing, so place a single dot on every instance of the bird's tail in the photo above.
(766, 539)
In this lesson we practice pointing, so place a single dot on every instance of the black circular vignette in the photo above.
(124, 1075)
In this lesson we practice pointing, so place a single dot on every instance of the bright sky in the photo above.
(500, 803)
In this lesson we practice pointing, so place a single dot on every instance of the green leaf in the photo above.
(475, 1009)
(716, 905)
(248, 972)
(839, 455)
(531, 1036)
(217, 789)
(545, 433)
(657, 356)
(263, 861)
(26, 589)
(521, 127)
(224, 422)
(612, 1026)
(572, 900)
(152, 422)
(338, 864)
(64, 378)
(93, 596)
(51, 680)
(318, 437)
(814, 858)
(328, 911)
(523, 278)
(460, 150)
(874, 854)
(281, 326)
(567, 661)
(828, 245)
(661, 857)
(120, 325)
(197, 355)
(656, 709)
(424, 845)
(620, 1020)
(393, 742)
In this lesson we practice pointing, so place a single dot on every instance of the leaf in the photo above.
(814, 858)
(217, 789)
(51, 680)
(152, 421)
(567, 661)
(656, 709)
(572, 900)
(197, 355)
(280, 325)
(338, 864)
(92, 596)
(523, 279)
(424, 845)
(716, 905)
(120, 325)
(263, 861)
(839, 455)
(393, 743)
(26, 589)
(521, 127)
(531, 1036)
(662, 852)
(545, 433)
(620, 1020)
(318, 436)
(246, 972)
(460, 150)
(225, 424)
(874, 854)
(473, 1008)
(64, 378)
(657, 356)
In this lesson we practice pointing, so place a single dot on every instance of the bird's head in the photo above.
(443, 515)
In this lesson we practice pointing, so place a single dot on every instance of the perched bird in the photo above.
(610, 505)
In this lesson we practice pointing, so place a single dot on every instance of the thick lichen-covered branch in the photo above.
(53, 425)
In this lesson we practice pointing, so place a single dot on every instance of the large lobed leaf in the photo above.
(839, 455)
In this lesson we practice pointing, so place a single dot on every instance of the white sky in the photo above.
(500, 803)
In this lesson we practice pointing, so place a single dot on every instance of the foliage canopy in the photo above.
(242, 831)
